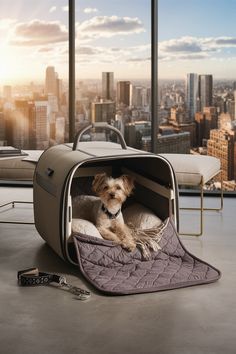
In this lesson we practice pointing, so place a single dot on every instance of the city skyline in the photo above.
(115, 36)
(191, 115)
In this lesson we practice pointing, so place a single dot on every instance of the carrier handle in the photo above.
(98, 125)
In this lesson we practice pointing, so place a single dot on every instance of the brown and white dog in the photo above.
(104, 210)
(112, 193)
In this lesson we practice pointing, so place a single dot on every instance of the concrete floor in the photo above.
(194, 320)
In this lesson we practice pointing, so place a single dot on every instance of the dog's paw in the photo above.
(129, 246)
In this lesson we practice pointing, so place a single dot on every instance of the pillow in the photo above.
(85, 227)
(141, 217)
(16, 169)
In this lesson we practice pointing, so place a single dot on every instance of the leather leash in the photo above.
(32, 277)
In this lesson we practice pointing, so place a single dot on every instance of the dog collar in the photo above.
(110, 215)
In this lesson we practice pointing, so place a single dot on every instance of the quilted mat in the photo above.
(113, 270)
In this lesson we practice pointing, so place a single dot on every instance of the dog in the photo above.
(113, 193)
(104, 209)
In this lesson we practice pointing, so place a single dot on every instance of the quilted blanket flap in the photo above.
(114, 270)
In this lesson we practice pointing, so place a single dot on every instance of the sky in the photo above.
(194, 36)
(197, 36)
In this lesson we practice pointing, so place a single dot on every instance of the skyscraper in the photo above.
(123, 92)
(178, 114)
(138, 96)
(205, 121)
(108, 85)
(51, 81)
(103, 111)
(23, 119)
(42, 124)
(205, 91)
(192, 95)
(222, 144)
(60, 130)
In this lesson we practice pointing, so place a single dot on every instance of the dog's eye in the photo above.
(105, 188)
(118, 187)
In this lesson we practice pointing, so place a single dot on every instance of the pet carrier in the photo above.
(65, 171)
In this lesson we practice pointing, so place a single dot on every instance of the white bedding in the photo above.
(136, 214)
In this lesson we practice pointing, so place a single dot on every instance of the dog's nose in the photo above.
(112, 195)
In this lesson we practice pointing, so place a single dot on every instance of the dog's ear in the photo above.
(98, 182)
(128, 183)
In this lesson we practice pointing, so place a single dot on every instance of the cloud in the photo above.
(37, 32)
(89, 10)
(193, 56)
(114, 51)
(186, 45)
(193, 48)
(226, 41)
(104, 26)
(52, 9)
(183, 45)
(87, 50)
(92, 55)
(65, 8)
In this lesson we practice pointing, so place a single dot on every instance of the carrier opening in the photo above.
(151, 202)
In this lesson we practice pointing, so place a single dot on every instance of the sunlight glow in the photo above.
(5, 67)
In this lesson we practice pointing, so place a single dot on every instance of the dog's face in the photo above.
(112, 191)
